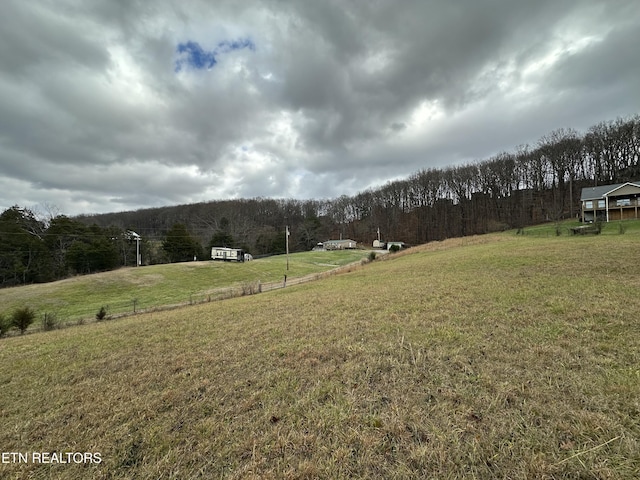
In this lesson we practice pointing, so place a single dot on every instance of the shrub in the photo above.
(102, 313)
(622, 228)
(394, 248)
(22, 318)
(250, 288)
(49, 321)
(598, 226)
(5, 325)
(372, 256)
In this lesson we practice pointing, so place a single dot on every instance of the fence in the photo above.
(133, 306)
(255, 287)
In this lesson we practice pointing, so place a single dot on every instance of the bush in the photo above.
(250, 288)
(49, 321)
(5, 325)
(622, 228)
(22, 318)
(598, 226)
(394, 248)
(102, 313)
(372, 256)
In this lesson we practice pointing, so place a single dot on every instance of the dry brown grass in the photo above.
(498, 357)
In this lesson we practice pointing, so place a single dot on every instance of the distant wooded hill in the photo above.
(531, 185)
(510, 190)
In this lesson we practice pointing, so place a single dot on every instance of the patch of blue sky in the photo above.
(228, 46)
(192, 55)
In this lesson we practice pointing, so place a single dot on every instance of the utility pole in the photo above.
(138, 262)
(129, 235)
(287, 237)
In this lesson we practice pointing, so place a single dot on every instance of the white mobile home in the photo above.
(339, 244)
(228, 254)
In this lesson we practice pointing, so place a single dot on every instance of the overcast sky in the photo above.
(110, 105)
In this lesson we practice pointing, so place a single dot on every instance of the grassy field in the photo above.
(160, 285)
(563, 228)
(499, 356)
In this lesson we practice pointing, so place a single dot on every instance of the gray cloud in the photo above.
(335, 97)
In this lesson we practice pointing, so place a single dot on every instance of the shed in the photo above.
(400, 245)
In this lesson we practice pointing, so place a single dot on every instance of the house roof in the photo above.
(340, 241)
(595, 193)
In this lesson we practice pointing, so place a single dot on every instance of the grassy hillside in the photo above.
(499, 356)
(631, 227)
(159, 285)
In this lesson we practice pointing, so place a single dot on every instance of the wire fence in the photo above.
(133, 306)
(256, 287)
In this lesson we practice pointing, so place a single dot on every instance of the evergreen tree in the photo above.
(23, 254)
(61, 235)
(222, 239)
(22, 318)
(94, 251)
(180, 246)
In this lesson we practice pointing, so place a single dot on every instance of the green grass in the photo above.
(620, 227)
(161, 285)
(498, 356)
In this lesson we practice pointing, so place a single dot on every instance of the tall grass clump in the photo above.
(622, 228)
(251, 288)
(5, 325)
(558, 230)
(50, 321)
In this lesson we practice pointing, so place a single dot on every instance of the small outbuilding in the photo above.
(400, 245)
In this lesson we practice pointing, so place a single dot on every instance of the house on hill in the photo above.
(610, 202)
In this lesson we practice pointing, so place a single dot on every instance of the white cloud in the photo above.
(330, 98)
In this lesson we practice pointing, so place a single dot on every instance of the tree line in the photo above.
(530, 185)
(36, 250)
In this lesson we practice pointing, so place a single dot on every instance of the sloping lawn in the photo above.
(499, 356)
(159, 285)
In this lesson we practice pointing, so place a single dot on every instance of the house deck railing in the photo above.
(617, 203)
